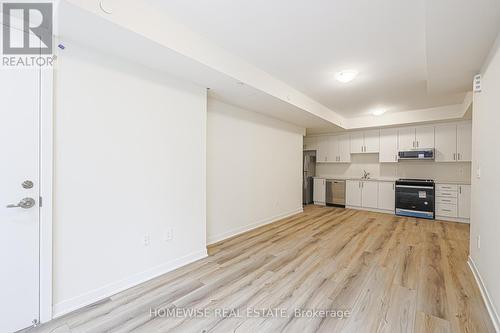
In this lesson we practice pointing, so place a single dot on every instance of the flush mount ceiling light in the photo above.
(378, 112)
(346, 75)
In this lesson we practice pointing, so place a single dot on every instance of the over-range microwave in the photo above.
(416, 154)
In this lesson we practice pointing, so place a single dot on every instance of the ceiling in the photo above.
(411, 54)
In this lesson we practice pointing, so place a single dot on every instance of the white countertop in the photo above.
(389, 179)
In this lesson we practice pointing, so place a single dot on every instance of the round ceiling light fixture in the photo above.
(378, 112)
(346, 76)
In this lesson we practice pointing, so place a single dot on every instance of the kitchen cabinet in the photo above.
(334, 149)
(454, 142)
(424, 137)
(353, 193)
(362, 193)
(419, 137)
(365, 142)
(357, 143)
(453, 201)
(464, 142)
(369, 194)
(386, 196)
(343, 148)
(319, 191)
(322, 151)
(464, 201)
(388, 145)
(446, 142)
(309, 143)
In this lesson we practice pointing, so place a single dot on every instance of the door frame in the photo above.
(46, 167)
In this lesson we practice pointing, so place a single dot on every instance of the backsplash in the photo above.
(406, 169)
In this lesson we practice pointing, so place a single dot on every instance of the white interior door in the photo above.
(19, 189)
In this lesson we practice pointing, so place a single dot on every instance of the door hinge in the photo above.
(40, 201)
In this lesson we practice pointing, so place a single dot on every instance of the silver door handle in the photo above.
(459, 156)
(25, 203)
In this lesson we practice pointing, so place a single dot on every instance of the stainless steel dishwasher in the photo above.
(335, 192)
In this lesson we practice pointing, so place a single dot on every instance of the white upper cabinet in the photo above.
(464, 141)
(322, 151)
(454, 142)
(419, 137)
(365, 142)
(333, 149)
(388, 145)
(424, 137)
(357, 143)
(446, 142)
(372, 141)
(310, 143)
(343, 142)
(406, 138)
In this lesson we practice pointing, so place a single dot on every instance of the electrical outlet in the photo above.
(478, 242)
(169, 234)
(146, 240)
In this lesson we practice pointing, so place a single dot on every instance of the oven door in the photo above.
(416, 201)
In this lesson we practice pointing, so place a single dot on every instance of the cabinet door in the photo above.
(344, 148)
(446, 143)
(388, 145)
(357, 143)
(333, 149)
(353, 193)
(464, 141)
(406, 138)
(386, 196)
(322, 151)
(424, 137)
(464, 201)
(369, 194)
(372, 141)
(310, 143)
(319, 190)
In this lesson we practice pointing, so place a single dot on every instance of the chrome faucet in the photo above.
(366, 175)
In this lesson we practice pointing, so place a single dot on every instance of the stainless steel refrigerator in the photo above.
(309, 171)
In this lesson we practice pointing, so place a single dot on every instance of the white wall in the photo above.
(254, 170)
(406, 169)
(129, 162)
(485, 219)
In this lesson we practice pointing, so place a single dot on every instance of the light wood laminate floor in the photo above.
(393, 274)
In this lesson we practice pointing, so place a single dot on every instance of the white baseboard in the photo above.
(486, 296)
(452, 219)
(248, 227)
(101, 293)
(375, 210)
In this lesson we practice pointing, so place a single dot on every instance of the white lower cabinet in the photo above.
(386, 196)
(369, 194)
(362, 193)
(453, 202)
(353, 193)
(319, 191)
(464, 199)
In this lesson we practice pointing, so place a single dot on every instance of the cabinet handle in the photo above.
(413, 144)
(459, 156)
(454, 156)
(460, 189)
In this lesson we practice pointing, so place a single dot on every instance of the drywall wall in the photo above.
(130, 146)
(485, 218)
(406, 169)
(254, 170)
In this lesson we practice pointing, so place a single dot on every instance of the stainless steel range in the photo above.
(415, 198)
